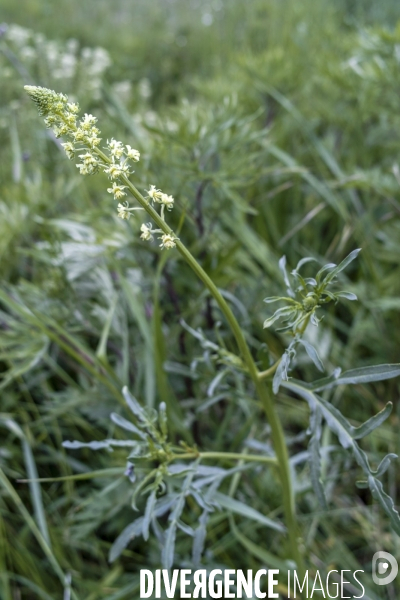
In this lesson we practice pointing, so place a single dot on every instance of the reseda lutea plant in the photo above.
(152, 446)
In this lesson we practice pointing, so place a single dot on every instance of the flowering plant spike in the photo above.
(114, 159)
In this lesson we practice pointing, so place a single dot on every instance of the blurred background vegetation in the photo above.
(275, 124)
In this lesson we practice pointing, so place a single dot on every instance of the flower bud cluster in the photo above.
(61, 116)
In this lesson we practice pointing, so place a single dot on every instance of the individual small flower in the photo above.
(73, 107)
(113, 171)
(132, 153)
(93, 140)
(117, 190)
(146, 230)
(87, 122)
(70, 119)
(123, 211)
(124, 168)
(167, 201)
(79, 135)
(116, 148)
(167, 241)
(84, 170)
(154, 193)
(59, 106)
(88, 159)
(89, 164)
(61, 130)
(50, 121)
(69, 150)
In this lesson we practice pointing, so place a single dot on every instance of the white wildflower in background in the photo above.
(98, 60)
(95, 61)
(171, 126)
(144, 88)
(123, 89)
(82, 68)
(19, 35)
(66, 68)
(72, 45)
(28, 53)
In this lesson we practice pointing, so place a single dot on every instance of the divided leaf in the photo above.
(357, 376)
(315, 455)
(170, 535)
(127, 425)
(282, 267)
(136, 527)
(313, 354)
(347, 434)
(100, 445)
(281, 373)
(243, 509)
(342, 265)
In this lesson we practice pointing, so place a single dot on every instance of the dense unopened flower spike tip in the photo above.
(62, 117)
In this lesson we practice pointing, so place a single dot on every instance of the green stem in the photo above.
(271, 460)
(5, 483)
(264, 374)
(264, 395)
(90, 475)
(304, 326)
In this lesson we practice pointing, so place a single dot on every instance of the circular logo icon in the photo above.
(384, 568)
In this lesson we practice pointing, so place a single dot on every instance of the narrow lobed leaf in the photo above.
(313, 354)
(342, 265)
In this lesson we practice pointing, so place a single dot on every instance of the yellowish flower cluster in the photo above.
(89, 164)
(61, 116)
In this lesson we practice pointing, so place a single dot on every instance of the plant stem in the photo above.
(263, 393)
(271, 460)
(304, 326)
(264, 374)
(89, 475)
(6, 484)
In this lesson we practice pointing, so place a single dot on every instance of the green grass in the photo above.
(277, 130)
